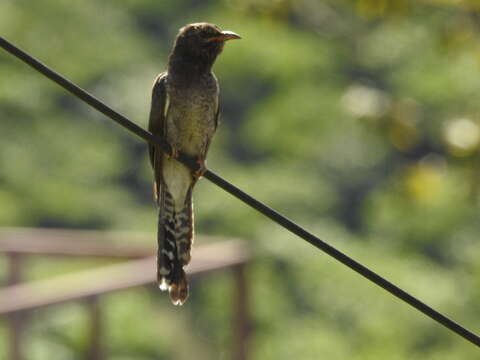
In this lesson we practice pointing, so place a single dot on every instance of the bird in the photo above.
(184, 113)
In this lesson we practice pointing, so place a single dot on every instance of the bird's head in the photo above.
(201, 42)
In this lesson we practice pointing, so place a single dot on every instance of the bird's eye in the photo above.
(207, 34)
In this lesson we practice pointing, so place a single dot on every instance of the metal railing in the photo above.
(18, 298)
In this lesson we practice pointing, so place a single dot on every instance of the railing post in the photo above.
(95, 351)
(15, 321)
(241, 320)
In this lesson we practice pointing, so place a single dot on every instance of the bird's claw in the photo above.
(173, 152)
(202, 169)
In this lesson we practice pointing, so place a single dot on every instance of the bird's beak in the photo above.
(229, 35)
(224, 36)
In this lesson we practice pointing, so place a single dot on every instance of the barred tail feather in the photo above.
(166, 243)
(175, 231)
(184, 229)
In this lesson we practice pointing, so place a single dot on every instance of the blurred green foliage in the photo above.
(358, 119)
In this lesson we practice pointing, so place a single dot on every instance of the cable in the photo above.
(247, 199)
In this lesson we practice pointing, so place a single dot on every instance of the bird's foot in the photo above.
(173, 152)
(202, 169)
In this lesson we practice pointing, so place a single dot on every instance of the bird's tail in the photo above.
(175, 234)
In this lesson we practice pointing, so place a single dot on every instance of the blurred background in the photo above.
(357, 119)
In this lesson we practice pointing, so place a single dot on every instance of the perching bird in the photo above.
(184, 112)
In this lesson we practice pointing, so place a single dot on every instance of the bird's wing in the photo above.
(156, 123)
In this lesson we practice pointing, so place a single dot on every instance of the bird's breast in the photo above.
(191, 117)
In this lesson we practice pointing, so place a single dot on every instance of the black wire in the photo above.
(233, 190)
